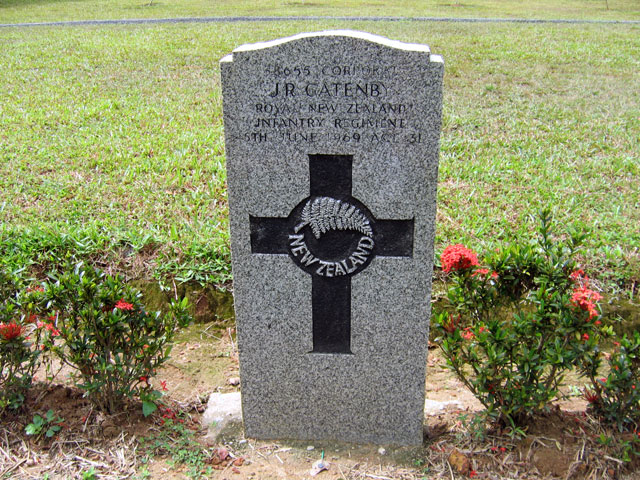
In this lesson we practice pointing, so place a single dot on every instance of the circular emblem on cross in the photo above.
(331, 237)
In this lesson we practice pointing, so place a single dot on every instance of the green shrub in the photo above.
(511, 330)
(113, 344)
(616, 397)
(21, 338)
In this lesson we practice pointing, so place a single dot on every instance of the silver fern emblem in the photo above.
(324, 214)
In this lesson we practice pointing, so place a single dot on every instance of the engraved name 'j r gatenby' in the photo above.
(322, 215)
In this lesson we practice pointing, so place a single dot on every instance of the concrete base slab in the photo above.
(433, 407)
(223, 410)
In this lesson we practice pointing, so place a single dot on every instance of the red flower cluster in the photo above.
(122, 305)
(467, 334)
(484, 272)
(458, 257)
(50, 327)
(9, 331)
(585, 299)
(579, 277)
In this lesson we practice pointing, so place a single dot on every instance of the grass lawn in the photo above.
(14, 11)
(111, 138)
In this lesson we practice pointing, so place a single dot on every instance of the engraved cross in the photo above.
(332, 236)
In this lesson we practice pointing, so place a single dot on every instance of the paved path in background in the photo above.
(135, 21)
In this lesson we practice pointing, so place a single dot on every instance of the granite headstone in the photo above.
(332, 165)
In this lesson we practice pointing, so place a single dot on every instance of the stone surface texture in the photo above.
(223, 410)
(435, 407)
(333, 93)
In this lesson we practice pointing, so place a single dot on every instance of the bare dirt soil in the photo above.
(171, 443)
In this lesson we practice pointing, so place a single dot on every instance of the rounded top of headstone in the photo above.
(414, 47)
(354, 34)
